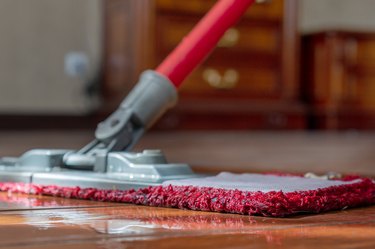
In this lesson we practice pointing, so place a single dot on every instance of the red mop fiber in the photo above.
(353, 192)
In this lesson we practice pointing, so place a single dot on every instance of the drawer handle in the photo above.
(263, 1)
(230, 38)
(227, 80)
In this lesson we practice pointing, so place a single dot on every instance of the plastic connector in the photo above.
(152, 96)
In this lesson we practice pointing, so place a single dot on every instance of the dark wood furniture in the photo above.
(339, 79)
(128, 47)
(250, 81)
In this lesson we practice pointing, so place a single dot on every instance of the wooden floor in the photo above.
(347, 152)
(46, 222)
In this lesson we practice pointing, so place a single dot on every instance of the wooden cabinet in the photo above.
(339, 79)
(250, 81)
(128, 47)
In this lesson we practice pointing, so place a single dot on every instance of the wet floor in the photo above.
(47, 222)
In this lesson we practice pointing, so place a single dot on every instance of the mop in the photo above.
(106, 170)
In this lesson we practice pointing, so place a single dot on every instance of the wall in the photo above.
(36, 39)
(317, 15)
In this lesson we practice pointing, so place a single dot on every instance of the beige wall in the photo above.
(317, 15)
(35, 36)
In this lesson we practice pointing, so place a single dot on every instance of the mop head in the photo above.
(248, 194)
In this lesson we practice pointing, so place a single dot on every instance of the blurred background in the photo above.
(288, 64)
(292, 72)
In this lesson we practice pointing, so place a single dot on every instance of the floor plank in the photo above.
(11, 202)
(130, 226)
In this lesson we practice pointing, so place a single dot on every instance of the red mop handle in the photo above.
(202, 39)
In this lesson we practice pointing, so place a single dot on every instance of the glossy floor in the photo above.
(46, 222)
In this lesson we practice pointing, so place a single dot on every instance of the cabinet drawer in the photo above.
(268, 9)
(245, 36)
(363, 51)
(232, 80)
(359, 76)
(359, 89)
(366, 92)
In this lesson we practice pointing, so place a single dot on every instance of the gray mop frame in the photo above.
(107, 162)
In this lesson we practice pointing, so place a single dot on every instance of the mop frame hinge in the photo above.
(123, 169)
(106, 161)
